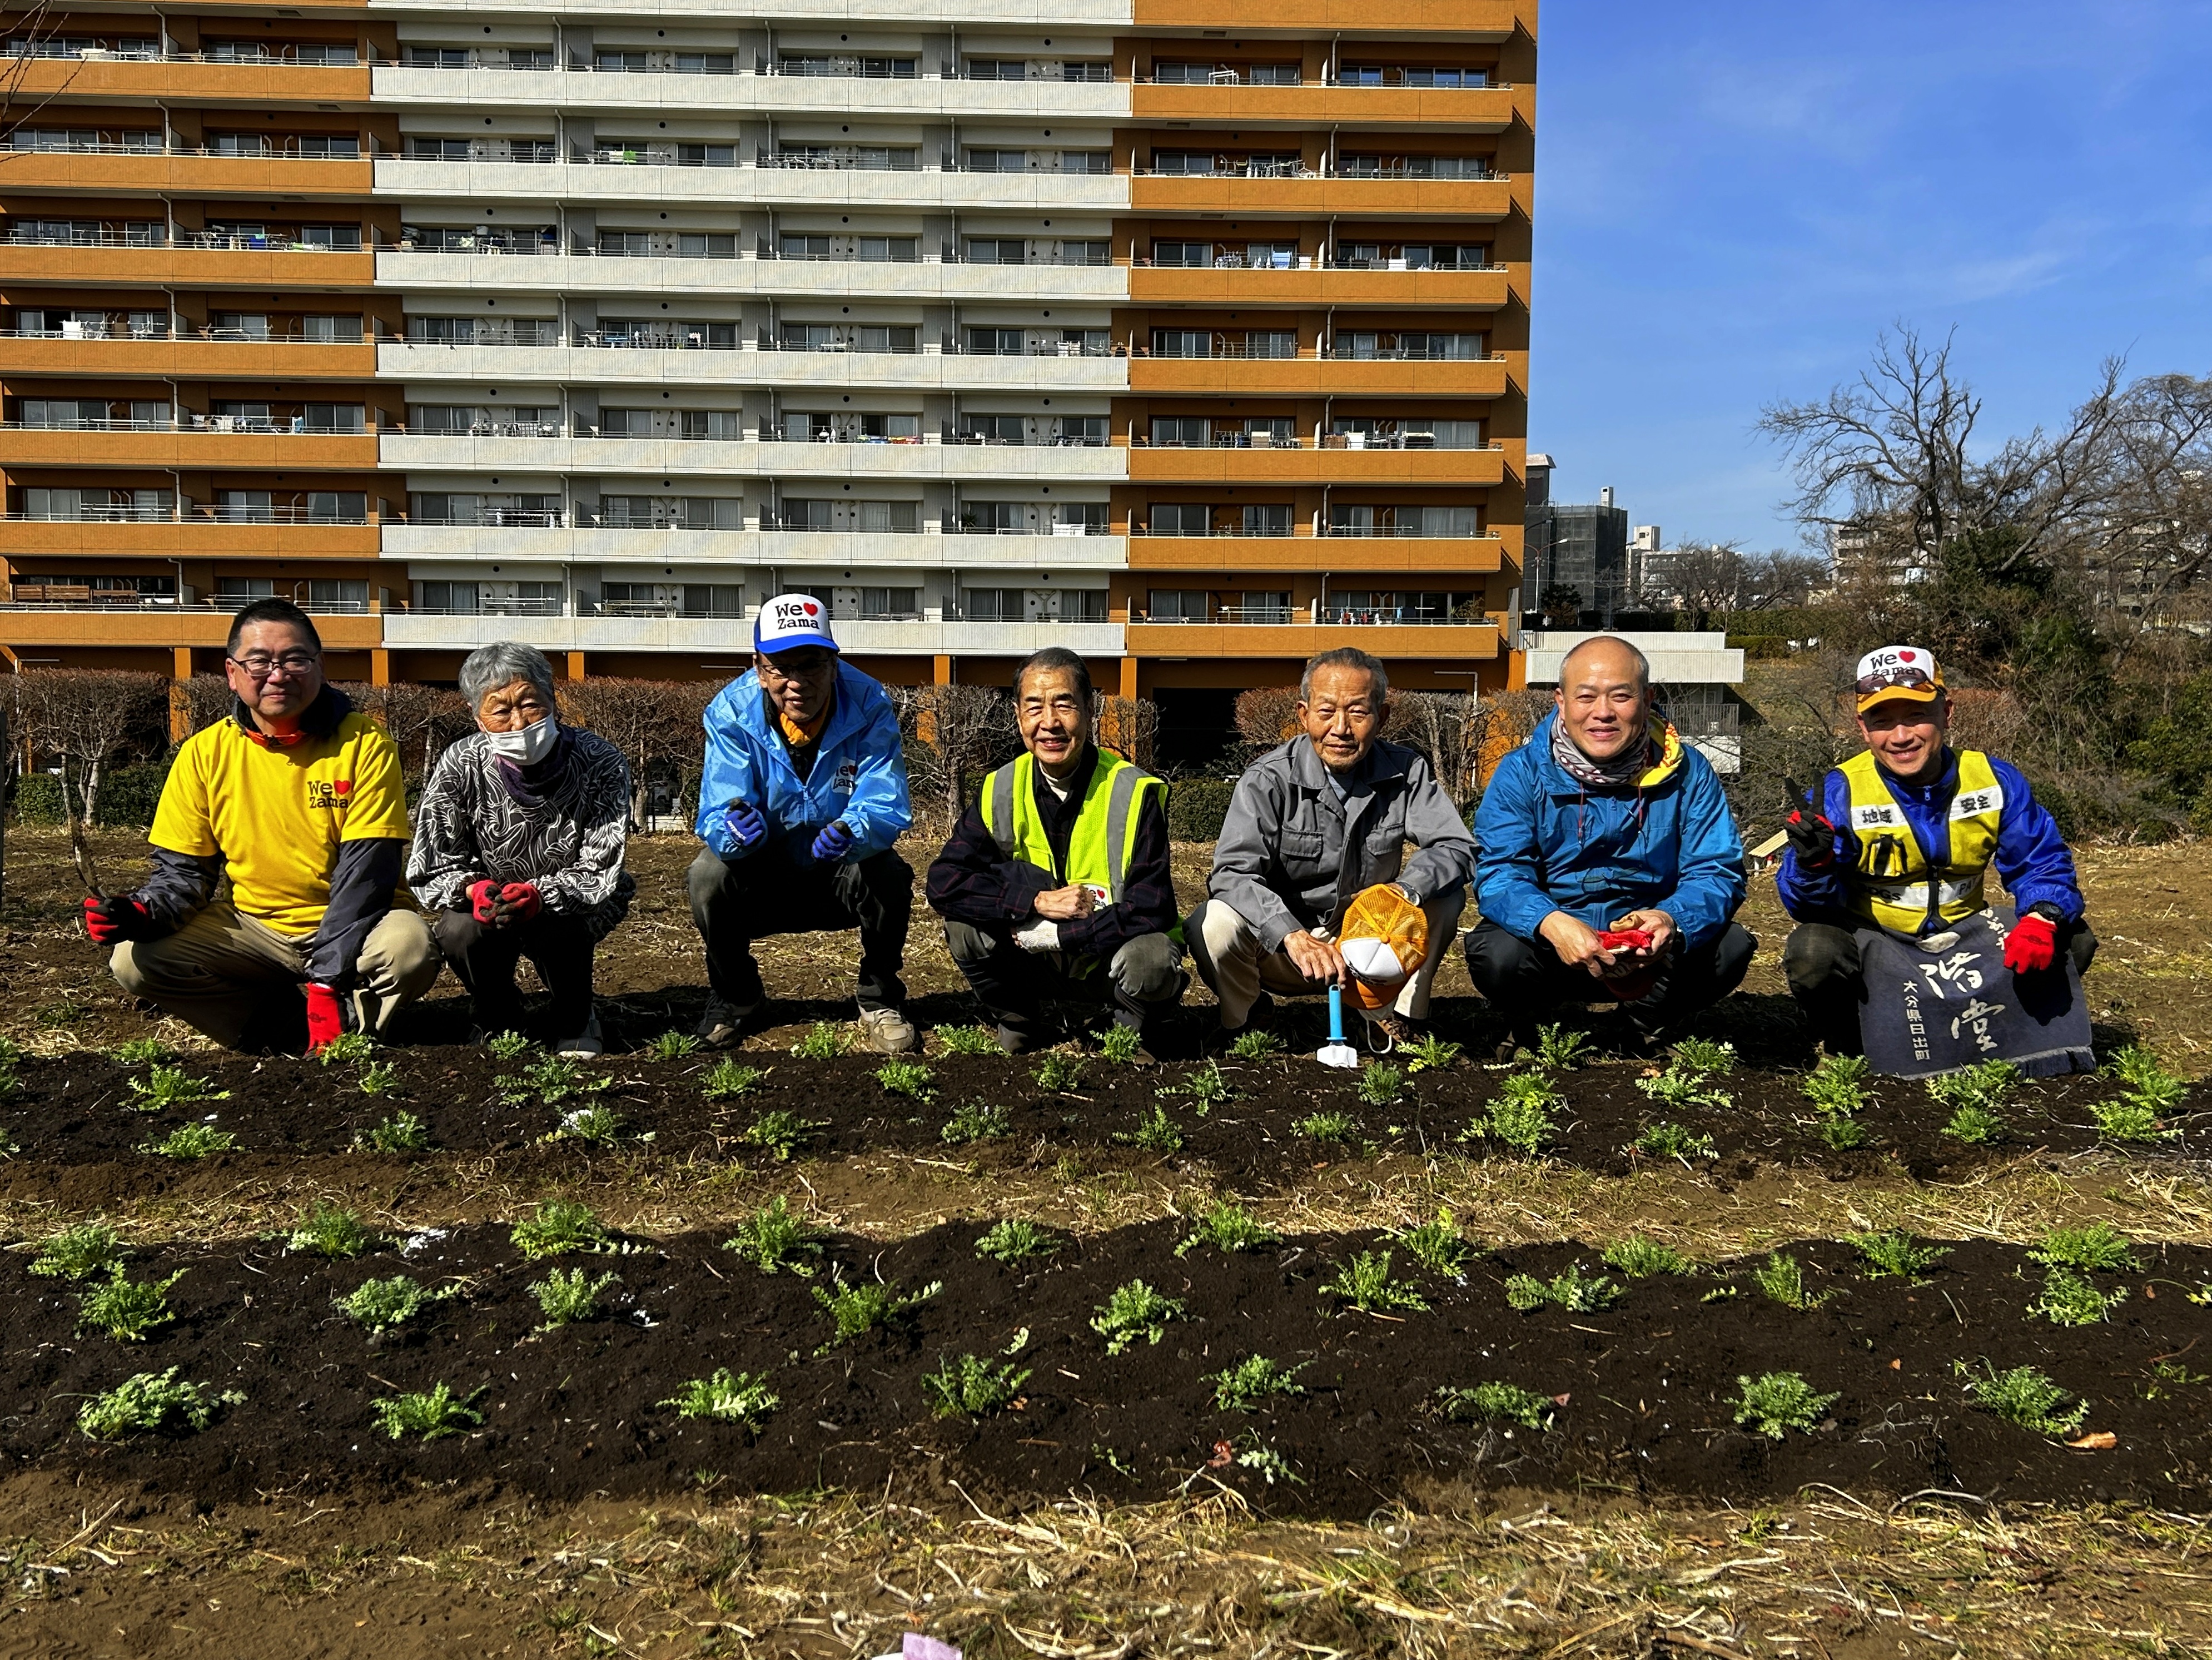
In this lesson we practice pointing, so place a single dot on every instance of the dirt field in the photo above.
(582, 1517)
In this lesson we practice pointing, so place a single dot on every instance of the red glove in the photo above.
(2032, 947)
(1624, 940)
(521, 898)
(483, 900)
(109, 921)
(326, 1015)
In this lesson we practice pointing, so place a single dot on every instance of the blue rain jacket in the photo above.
(859, 775)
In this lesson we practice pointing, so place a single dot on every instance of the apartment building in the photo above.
(1191, 335)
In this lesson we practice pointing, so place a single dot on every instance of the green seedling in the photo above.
(330, 1230)
(570, 1298)
(1207, 1085)
(1121, 1045)
(1264, 1461)
(78, 1252)
(1135, 1310)
(780, 1131)
(163, 1087)
(1155, 1133)
(559, 1227)
(2024, 1396)
(2149, 1093)
(727, 1079)
(1666, 1140)
(152, 1401)
(1256, 1044)
(1364, 1283)
(969, 1040)
(1060, 1072)
(823, 1042)
(508, 1046)
(776, 1239)
(64, 1010)
(403, 1132)
(1839, 1135)
(1893, 1255)
(1985, 1087)
(2068, 1298)
(855, 1310)
(972, 1384)
(727, 1397)
(1227, 1225)
(1107, 1458)
(1520, 1114)
(1703, 1056)
(673, 1046)
(126, 1311)
(347, 1048)
(1571, 1288)
(2129, 1120)
(1429, 1053)
(1338, 1129)
(189, 1141)
(134, 1052)
(1242, 1387)
(597, 1125)
(555, 1080)
(2094, 1247)
(1381, 1086)
(381, 1305)
(1560, 1049)
(439, 1412)
(908, 1077)
(378, 1078)
(977, 1121)
(1436, 1245)
(1640, 1256)
(1834, 1086)
(1682, 1085)
(2169, 1377)
(1976, 1126)
(1778, 1401)
(1012, 1240)
(1495, 1404)
(1783, 1279)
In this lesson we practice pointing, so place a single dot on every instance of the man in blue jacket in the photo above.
(1902, 839)
(1609, 867)
(803, 797)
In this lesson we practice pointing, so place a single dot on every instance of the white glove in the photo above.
(1042, 935)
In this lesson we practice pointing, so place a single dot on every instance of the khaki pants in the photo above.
(1237, 968)
(217, 972)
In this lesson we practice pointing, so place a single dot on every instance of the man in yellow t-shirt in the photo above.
(299, 800)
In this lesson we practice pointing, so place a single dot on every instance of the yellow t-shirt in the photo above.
(277, 814)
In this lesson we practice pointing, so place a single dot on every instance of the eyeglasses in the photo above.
(796, 665)
(260, 667)
(1887, 679)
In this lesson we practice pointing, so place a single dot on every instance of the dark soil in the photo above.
(78, 1135)
(1650, 1382)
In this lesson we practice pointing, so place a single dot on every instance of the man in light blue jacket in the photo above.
(803, 797)
(1609, 866)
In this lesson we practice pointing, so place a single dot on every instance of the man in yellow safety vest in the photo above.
(1054, 886)
(1902, 838)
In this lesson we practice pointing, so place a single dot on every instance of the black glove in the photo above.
(1811, 834)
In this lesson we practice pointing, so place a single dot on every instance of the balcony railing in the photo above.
(972, 527)
(1334, 440)
(218, 604)
(278, 426)
(897, 161)
(150, 51)
(218, 337)
(490, 608)
(495, 518)
(197, 513)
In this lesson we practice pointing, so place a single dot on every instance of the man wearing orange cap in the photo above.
(1901, 840)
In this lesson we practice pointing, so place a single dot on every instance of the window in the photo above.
(329, 146)
(337, 507)
(714, 599)
(1177, 604)
(991, 605)
(333, 417)
(1182, 431)
(1181, 518)
(337, 237)
(337, 593)
(237, 590)
(1183, 254)
(723, 425)
(1346, 519)
(1262, 605)
(437, 57)
(448, 598)
(1268, 519)
(1083, 604)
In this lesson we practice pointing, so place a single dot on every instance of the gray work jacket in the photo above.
(1281, 863)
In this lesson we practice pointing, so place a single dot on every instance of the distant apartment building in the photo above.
(1191, 334)
(1578, 551)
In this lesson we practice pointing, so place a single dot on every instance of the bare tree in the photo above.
(959, 733)
(419, 719)
(1130, 726)
(655, 724)
(1447, 728)
(1265, 716)
(95, 718)
(1718, 579)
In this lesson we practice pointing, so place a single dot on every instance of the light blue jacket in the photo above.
(1548, 844)
(859, 775)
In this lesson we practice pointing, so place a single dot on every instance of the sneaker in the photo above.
(1395, 1031)
(888, 1031)
(587, 1042)
(722, 1025)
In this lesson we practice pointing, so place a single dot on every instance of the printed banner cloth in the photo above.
(1946, 1001)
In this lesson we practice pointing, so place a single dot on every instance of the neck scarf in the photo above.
(799, 737)
(1645, 763)
(530, 787)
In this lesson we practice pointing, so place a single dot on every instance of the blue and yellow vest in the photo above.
(1893, 886)
(1105, 835)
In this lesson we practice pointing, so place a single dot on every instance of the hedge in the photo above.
(1196, 807)
(127, 796)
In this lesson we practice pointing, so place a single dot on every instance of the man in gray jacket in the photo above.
(1312, 822)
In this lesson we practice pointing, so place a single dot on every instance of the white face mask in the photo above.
(529, 746)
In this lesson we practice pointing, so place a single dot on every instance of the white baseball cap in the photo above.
(1906, 671)
(790, 621)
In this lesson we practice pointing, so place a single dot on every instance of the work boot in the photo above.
(1016, 1040)
(888, 1031)
(722, 1025)
(1398, 1029)
(588, 1042)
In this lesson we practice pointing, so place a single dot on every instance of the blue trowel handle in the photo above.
(1336, 1014)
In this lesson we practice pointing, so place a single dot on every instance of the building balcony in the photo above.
(191, 173)
(209, 447)
(918, 190)
(189, 357)
(1466, 641)
(918, 281)
(915, 460)
(1490, 289)
(797, 550)
(167, 626)
(1677, 659)
(185, 538)
(1026, 16)
(1466, 19)
(409, 630)
(924, 97)
(1244, 554)
(1332, 463)
(1319, 105)
(1321, 377)
(187, 78)
(1322, 195)
(920, 371)
(24, 265)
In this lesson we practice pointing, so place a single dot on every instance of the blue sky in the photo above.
(1734, 198)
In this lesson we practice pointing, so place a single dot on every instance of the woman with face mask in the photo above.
(518, 852)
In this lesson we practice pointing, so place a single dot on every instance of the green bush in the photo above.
(128, 795)
(1196, 807)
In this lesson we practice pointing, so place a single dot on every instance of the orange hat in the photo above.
(1903, 671)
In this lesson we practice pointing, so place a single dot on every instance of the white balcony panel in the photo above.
(787, 187)
(1677, 659)
(923, 98)
(1029, 16)
(728, 637)
(778, 279)
(921, 551)
(927, 371)
(442, 452)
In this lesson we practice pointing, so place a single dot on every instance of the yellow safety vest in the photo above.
(1105, 831)
(1893, 885)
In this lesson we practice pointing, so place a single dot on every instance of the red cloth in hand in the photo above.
(2032, 947)
(483, 899)
(521, 898)
(326, 1015)
(110, 920)
(1624, 940)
